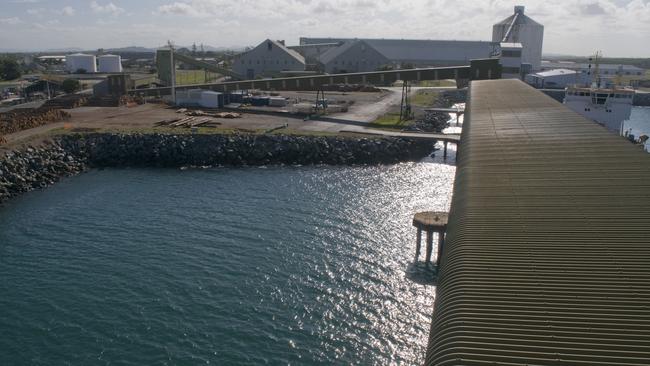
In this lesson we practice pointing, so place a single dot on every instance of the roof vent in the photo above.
(519, 9)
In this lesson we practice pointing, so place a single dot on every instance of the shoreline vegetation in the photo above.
(26, 169)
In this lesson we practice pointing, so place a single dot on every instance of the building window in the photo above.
(510, 53)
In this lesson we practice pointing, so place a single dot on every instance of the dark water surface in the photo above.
(283, 265)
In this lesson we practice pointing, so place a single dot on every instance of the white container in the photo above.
(210, 99)
(110, 63)
(81, 61)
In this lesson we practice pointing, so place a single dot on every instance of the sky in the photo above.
(618, 28)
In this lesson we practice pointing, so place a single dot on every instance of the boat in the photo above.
(606, 106)
(609, 106)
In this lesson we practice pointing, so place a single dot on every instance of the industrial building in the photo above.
(556, 79)
(269, 58)
(313, 52)
(517, 40)
(519, 28)
(81, 61)
(352, 56)
(604, 69)
(419, 52)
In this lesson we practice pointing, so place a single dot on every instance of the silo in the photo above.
(110, 63)
(81, 61)
(519, 28)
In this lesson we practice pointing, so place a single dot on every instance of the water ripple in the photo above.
(285, 265)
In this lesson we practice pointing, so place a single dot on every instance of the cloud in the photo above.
(109, 8)
(67, 11)
(177, 8)
(592, 9)
(36, 11)
(10, 21)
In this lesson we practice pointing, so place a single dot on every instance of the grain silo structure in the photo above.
(519, 28)
(81, 61)
(110, 63)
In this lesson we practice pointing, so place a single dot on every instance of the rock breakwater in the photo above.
(33, 168)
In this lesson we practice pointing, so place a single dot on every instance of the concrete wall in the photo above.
(267, 59)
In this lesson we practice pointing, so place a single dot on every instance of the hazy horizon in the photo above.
(574, 27)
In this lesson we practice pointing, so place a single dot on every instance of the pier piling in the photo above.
(430, 222)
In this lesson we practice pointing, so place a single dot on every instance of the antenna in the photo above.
(597, 58)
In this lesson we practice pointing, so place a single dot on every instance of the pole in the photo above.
(173, 71)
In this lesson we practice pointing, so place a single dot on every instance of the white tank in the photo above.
(110, 63)
(519, 28)
(81, 61)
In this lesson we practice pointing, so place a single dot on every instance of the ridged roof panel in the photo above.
(547, 255)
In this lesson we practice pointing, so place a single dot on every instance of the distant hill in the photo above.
(132, 49)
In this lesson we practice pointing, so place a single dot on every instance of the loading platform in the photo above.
(547, 253)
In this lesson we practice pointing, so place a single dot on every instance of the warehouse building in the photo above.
(312, 52)
(352, 56)
(556, 79)
(420, 53)
(269, 58)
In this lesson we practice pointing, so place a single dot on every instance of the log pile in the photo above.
(68, 101)
(23, 119)
(189, 122)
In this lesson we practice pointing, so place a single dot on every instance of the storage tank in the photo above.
(81, 61)
(519, 28)
(110, 63)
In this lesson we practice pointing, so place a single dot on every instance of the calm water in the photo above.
(639, 123)
(285, 265)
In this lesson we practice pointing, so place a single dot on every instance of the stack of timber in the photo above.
(188, 122)
(26, 118)
(68, 101)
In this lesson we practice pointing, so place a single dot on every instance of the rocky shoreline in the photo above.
(38, 167)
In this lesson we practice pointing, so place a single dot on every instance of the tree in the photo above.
(9, 69)
(81, 71)
(70, 85)
(194, 49)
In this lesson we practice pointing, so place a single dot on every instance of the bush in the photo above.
(9, 69)
(70, 86)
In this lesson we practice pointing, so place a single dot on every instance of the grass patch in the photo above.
(390, 121)
(437, 83)
(425, 98)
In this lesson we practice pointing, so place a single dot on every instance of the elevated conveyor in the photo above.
(547, 254)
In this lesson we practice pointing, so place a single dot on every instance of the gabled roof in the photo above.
(280, 46)
(335, 52)
(420, 49)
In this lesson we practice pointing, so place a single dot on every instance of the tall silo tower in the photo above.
(518, 28)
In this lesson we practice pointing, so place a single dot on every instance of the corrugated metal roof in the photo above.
(547, 254)
(417, 50)
(279, 45)
(555, 72)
